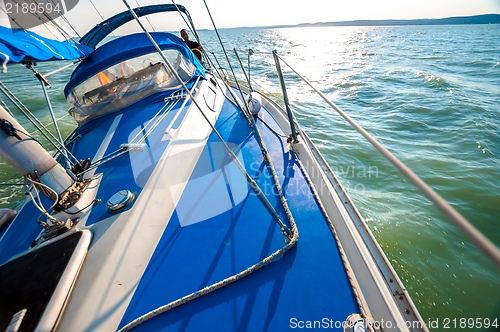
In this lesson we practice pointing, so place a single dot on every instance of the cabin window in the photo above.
(127, 82)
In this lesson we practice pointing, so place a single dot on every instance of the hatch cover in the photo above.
(38, 282)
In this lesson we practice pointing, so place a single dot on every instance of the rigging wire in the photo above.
(36, 15)
(147, 129)
(65, 19)
(292, 235)
(12, 19)
(158, 118)
(9, 183)
(251, 182)
(63, 32)
(48, 20)
(4, 105)
(47, 125)
(271, 95)
(190, 26)
(27, 113)
(147, 18)
(44, 20)
(98, 12)
(271, 128)
(480, 240)
(49, 30)
(224, 50)
(36, 122)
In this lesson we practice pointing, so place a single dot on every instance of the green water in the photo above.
(431, 95)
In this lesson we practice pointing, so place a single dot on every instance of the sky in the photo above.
(237, 13)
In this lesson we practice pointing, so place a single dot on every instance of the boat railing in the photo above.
(489, 249)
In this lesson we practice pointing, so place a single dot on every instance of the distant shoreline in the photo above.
(476, 19)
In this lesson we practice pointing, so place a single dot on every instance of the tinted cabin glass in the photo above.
(125, 83)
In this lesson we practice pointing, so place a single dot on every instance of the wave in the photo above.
(432, 57)
(482, 63)
(434, 81)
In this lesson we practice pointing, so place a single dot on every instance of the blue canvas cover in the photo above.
(103, 29)
(18, 45)
(129, 47)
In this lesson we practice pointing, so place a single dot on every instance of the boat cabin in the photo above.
(127, 70)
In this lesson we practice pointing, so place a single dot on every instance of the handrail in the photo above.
(482, 242)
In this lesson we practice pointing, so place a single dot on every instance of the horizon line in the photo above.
(382, 22)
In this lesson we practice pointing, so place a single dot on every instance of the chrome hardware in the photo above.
(120, 200)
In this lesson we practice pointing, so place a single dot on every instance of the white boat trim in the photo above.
(129, 238)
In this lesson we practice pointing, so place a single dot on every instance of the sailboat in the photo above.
(184, 200)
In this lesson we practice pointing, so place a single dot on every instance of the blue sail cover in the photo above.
(18, 45)
(129, 47)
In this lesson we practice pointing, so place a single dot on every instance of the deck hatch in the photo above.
(40, 282)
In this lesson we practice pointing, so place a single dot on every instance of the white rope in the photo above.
(61, 69)
(47, 125)
(208, 289)
(39, 205)
(292, 235)
(350, 275)
(213, 287)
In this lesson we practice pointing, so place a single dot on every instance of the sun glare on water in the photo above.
(326, 56)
